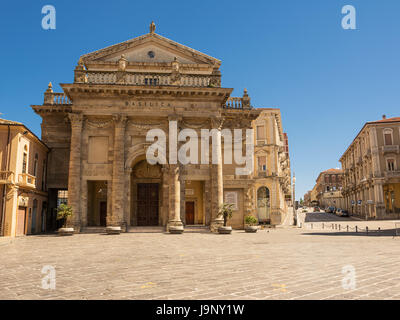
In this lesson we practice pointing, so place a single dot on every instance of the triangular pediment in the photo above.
(150, 48)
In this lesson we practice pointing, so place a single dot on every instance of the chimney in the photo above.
(384, 116)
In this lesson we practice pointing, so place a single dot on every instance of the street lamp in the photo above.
(294, 201)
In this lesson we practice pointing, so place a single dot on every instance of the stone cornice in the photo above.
(74, 90)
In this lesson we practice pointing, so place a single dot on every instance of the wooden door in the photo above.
(103, 213)
(20, 228)
(147, 204)
(189, 212)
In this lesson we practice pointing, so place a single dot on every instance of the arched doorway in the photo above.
(263, 205)
(146, 194)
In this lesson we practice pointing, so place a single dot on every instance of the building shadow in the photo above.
(363, 233)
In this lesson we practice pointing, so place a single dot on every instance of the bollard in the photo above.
(311, 225)
(347, 228)
(339, 227)
(322, 226)
(333, 227)
(366, 228)
(356, 229)
(379, 229)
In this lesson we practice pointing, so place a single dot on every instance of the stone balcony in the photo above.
(6, 177)
(26, 180)
(58, 98)
(390, 149)
(392, 174)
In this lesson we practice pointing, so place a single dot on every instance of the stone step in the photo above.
(197, 228)
(93, 230)
(154, 229)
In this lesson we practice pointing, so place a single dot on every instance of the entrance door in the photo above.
(189, 212)
(147, 204)
(103, 213)
(20, 228)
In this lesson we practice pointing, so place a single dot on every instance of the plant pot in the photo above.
(251, 229)
(65, 231)
(176, 229)
(225, 230)
(113, 230)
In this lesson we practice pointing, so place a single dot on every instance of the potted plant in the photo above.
(251, 224)
(225, 211)
(64, 211)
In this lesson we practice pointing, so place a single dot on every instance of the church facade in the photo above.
(96, 130)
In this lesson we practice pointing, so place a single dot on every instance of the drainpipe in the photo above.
(7, 167)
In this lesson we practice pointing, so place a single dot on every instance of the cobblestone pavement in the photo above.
(281, 263)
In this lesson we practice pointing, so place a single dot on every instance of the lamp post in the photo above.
(294, 201)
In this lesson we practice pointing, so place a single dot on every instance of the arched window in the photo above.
(263, 205)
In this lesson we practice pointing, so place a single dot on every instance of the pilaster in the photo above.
(74, 178)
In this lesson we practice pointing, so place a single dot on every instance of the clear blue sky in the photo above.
(293, 55)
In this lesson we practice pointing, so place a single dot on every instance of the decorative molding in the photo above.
(99, 123)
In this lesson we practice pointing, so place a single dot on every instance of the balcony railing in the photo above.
(150, 79)
(6, 177)
(26, 180)
(56, 98)
(390, 149)
(392, 174)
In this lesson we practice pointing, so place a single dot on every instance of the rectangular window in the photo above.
(390, 164)
(24, 160)
(262, 163)
(388, 139)
(44, 175)
(62, 197)
(260, 133)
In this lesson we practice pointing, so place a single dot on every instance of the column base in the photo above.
(76, 225)
(215, 225)
(173, 223)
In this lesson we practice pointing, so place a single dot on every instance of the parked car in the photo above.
(317, 209)
(330, 210)
(345, 213)
(339, 212)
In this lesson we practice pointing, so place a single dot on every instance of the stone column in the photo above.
(118, 180)
(175, 175)
(174, 196)
(74, 175)
(217, 179)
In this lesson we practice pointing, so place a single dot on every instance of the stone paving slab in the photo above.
(282, 263)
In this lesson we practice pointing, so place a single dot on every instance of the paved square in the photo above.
(285, 263)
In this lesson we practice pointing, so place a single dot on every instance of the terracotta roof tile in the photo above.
(4, 121)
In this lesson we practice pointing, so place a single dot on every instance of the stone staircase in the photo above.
(196, 229)
(93, 230)
(154, 229)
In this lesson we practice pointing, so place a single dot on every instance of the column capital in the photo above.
(119, 120)
(174, 117)
(76, 119)
(217, 122)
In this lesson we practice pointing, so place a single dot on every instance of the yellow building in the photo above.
(23, 197)
(371, 167)
(272, 167)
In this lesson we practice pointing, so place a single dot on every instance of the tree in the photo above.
(226, 211)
